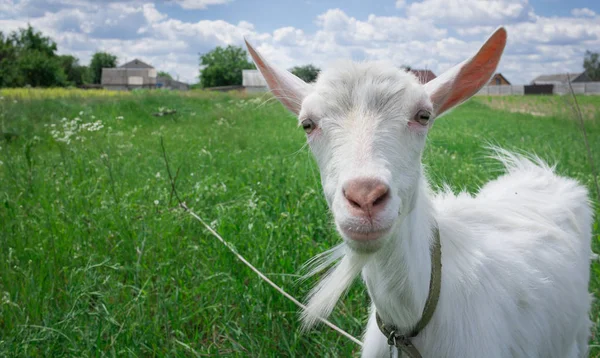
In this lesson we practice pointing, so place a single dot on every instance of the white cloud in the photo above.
(433, 34)
(151, 14)
(400, 4)
(556, 31)
(350, 31)
(475, 30)
(200, 4)
(583, 12)
(288, 36)
(472, 12)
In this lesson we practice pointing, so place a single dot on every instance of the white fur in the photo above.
(515, 256)
(515, 269)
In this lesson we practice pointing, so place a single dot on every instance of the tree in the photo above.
(27, 57)
(591, 63)
(308, 73)
(30, 40)
(36, 61)
(9, 73)
(223, 66)
(99, 61)
(165, 74)
(39, 70)
(75, 73)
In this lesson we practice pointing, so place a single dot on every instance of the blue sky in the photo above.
(545, 36)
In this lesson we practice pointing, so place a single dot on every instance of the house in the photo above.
(132, 75)
(253, 81)
(137, 74)
(165, 82)
(424, 76)
(561, 79)
(498, 80)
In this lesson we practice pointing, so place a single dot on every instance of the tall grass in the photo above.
(96, 259)
(59, 92)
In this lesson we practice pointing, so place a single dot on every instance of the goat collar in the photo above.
(402, 342)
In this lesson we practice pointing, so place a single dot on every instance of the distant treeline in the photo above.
(28, 58)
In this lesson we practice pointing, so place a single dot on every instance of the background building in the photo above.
(498, 80)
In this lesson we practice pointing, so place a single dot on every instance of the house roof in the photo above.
(500, 75)
(136, 63)
(253, 78)
(562, 78)
(424, 76)
(170, 81)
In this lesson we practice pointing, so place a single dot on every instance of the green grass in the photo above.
(558, 106)
(96, 260)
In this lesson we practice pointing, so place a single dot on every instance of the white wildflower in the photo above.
(156, 202)
(6, 298)
(157, 175)
(120, 118)
(81, 113)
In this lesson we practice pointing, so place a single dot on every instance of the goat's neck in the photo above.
(398, 275)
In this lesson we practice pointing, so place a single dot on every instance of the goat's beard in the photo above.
(324, 296)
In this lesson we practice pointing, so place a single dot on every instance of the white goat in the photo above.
(515, 257)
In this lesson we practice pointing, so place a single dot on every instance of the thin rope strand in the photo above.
(240, 257)
(265, 278)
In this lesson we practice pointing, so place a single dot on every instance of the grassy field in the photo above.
(95, 258)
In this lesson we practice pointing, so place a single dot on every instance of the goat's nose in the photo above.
(366, 196)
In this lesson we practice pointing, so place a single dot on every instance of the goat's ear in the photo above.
(287, 88)
(465, 79)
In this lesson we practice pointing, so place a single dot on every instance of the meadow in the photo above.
(96, 258)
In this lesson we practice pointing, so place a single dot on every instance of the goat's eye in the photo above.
(308, 125)
(423, 117)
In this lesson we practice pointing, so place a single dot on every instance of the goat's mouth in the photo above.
(364, 233)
